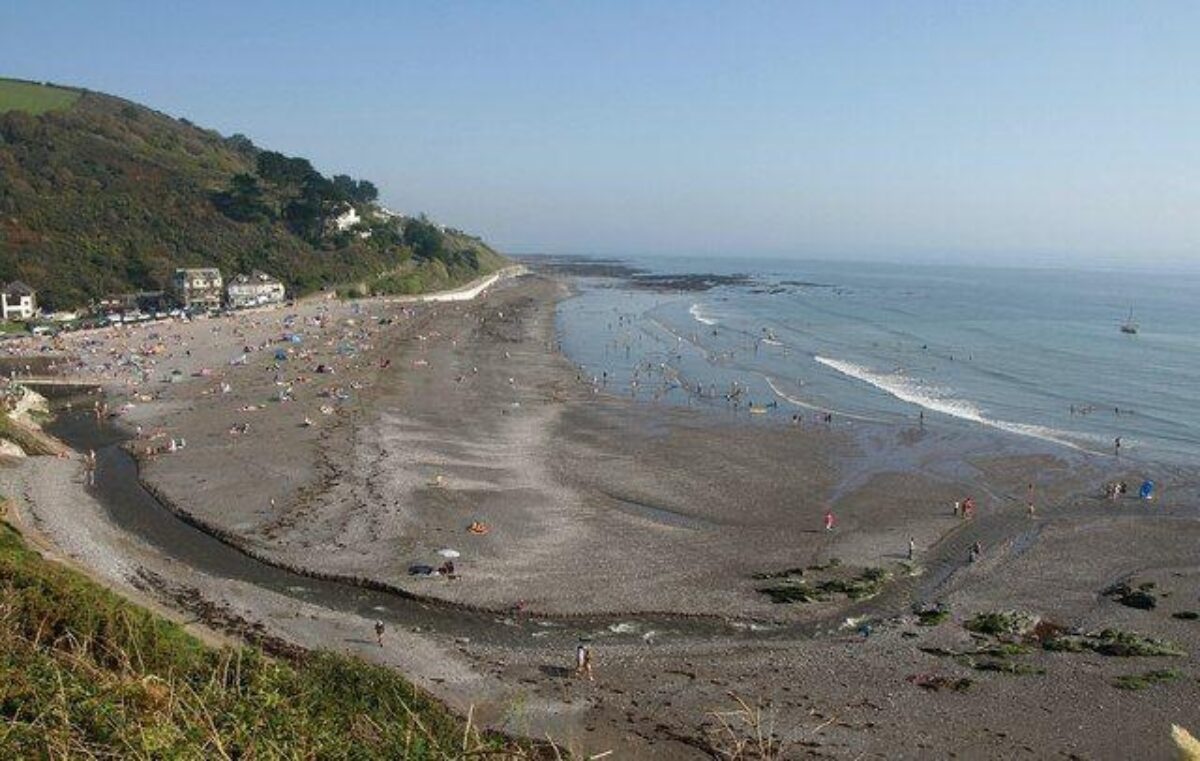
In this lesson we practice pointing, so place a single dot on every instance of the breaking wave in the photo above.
(791, 399)
(805, 405)
(913, 391)
(696, 312)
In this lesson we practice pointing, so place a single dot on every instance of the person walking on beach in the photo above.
(89, 467)
(1117, 447)
(379, 632)
(912, 549)
(829, 521)
(1029, 506)
(583, 662)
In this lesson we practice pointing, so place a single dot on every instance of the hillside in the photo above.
(33, 98)
(85, 674)
(99, 195)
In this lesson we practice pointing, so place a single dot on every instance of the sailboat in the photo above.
(1129, 326)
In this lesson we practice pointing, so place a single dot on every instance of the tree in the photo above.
(246, 186)
(367, 192)
(243, 201)
(345, 187)
(361, 191)
(423, 237)
(278, 169)
(242, 144)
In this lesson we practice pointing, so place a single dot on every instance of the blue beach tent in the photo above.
(1147, 490)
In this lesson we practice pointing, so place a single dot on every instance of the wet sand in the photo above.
(602, 505)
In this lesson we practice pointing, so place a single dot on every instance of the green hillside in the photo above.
(99, 195)
(34, 98)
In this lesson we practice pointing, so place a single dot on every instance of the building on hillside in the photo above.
(256, 289)
(148, 302)
(18, 301)
(200, 288)
(347, 219)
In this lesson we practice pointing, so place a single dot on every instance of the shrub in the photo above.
(932, 617)
(1000, 624)
(1147, 679)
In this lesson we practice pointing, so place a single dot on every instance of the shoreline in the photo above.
(676, 469)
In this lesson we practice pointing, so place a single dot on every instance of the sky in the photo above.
(1006, 132)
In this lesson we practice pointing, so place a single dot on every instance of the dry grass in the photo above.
(745, 732)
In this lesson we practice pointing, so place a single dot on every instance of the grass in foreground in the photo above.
(33, 98)
(84, 673)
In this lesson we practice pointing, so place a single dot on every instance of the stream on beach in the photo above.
(131, 507)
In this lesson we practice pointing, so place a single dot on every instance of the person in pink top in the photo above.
(829, 520)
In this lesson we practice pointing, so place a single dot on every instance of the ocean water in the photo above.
(1034, 353)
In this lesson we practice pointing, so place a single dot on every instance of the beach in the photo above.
(356, 442)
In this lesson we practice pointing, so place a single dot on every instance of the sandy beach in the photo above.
(358, 441)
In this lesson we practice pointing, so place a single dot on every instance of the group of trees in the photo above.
(288, 188)
(429, 243)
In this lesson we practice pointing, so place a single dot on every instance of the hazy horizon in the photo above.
(1188, 268)
(1022, 135)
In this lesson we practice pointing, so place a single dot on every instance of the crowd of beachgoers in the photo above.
(360, 440)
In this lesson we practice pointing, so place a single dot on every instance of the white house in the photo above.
(198, 288)
(347, 219)
(18, 301)
(256, 289)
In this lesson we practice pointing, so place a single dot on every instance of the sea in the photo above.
(1035, 353)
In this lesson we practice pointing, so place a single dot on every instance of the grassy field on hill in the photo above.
(85, 674)
(33, 98)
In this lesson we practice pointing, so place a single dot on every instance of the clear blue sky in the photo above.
(1002, 131)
